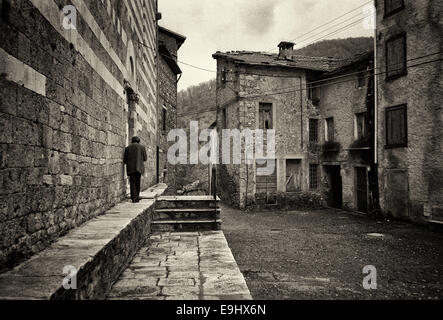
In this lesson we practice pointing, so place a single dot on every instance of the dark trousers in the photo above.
(134, 181)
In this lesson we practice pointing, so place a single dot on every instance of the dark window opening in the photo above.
(393, 6)
(396, 127)
(131, 61)
(265, 116)
(396, 57)
(313, 130)
(314, 94)
(313, 176)
(164, 118)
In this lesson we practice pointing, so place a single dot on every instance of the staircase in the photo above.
(186, 213)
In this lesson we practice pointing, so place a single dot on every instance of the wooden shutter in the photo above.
(330, 125)
(396, 56)
(396, 134)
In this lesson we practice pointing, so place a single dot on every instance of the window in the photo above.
(314, 94)
(393, 6)
(396, 57)
(225, 119)
(362, 79)
(396, 127)
(329, 124)
(265, 116)
(313, 130)
(223, 75)
(360, 126)
(313, 176)
(164, 118)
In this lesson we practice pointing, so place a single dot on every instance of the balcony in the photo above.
(363, 143)
(330, 146)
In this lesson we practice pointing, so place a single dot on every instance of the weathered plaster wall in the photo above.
(64, 116)
(342, 101)
(421, 161)
(291, 112)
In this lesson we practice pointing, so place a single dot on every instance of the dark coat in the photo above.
(135, 156)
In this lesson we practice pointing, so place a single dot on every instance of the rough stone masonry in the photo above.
(69, 101)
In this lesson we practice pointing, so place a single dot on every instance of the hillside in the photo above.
(196, 101)
(338, 48)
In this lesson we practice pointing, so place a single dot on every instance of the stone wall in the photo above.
(341, 100)
(410, 177)
(64, 114)
(168, 101)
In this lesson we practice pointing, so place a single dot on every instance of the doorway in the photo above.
(361, 187)
(157, 160)
(335, 192)
(293, 175)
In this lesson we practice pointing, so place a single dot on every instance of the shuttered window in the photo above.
(393, 6)
(396, 127)
(396, 56)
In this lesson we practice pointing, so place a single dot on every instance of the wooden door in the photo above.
(362, 189)
(293, 175)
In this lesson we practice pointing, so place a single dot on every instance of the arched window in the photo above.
(131, 61)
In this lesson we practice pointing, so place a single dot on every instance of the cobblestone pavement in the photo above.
(182, 266)
(321, 255)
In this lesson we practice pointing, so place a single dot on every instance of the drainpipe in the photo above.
(375, 95)
(157, 53)
(301, 112)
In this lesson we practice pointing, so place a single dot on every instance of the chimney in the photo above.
(286, 50)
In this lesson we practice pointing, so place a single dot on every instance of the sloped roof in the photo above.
(352, 62)
(267, 59)
(177, 36)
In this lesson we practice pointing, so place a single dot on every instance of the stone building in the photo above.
(169, 44)
(75, 85)
(346, 134)
(409, 67)
(267, 91)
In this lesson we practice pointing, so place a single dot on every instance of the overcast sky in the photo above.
(257, 25)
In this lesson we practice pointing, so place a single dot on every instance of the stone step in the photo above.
(171, 202)
(186, 214)
(186, 225)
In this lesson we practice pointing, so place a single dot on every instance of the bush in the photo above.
(300, 201)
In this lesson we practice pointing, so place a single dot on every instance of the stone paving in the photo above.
(182, 266)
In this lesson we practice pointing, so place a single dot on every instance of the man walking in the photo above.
(135, 156)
